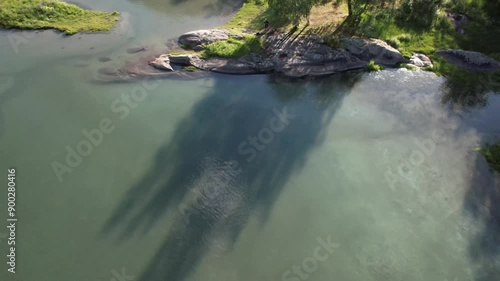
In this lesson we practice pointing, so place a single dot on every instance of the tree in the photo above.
(286, 11)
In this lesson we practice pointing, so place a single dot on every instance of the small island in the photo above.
(53, 14)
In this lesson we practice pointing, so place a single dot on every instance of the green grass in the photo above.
(492, 155)
(53, 14)
(233, 48)
(372, 66)
(410, 39)
(190, 68)
(248, 15)
(408, 66)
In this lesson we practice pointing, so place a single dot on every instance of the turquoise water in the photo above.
(352, 177)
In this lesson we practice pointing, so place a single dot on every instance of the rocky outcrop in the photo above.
(373, 49)
(310, 57)
(162, 63)
(470, 60)
(420, 60)
(305, 56)
(200, 37)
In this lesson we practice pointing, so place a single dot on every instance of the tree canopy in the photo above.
(286, 11)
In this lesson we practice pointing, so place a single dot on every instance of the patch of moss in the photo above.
(190, 68)
(408, 66)
(492, 155)
(233, 48)
(372, 66)
(53, 14)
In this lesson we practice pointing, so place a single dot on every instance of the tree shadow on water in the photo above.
(212, 179)
(482, 203)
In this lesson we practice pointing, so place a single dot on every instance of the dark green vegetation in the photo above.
(47, 14)
(372, 66)
(233, 48)
(249, 16)
(492, 155)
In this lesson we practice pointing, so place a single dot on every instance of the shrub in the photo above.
(442, 22)
(404, 38)
(332, 41)
(372, 66)
(394, 42)
(418, 13)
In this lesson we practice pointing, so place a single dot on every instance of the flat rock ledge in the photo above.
(470, 60)
(306, 56)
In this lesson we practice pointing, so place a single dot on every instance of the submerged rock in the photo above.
(200, 37)
(470, 60)
(420, 60)
(104, 59)
(373, 49)
(135, 50)
(185, 60)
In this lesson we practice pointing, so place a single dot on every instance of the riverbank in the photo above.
(436, 48)
(53, 14)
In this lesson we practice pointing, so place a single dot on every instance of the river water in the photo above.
(350, 177)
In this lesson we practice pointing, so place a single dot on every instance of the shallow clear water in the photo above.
(175, 189)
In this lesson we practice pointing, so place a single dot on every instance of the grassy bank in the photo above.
(53, 14)
(233, 48)
(251, 15)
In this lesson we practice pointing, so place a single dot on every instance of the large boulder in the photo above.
(420, 60)
(200, 37)
(185, 60)
(470, 60)
(373, 49)
(309, 57)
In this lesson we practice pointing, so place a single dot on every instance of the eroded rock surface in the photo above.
(304, 56)
(470, 60)
(206, 36)
(373, 49)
